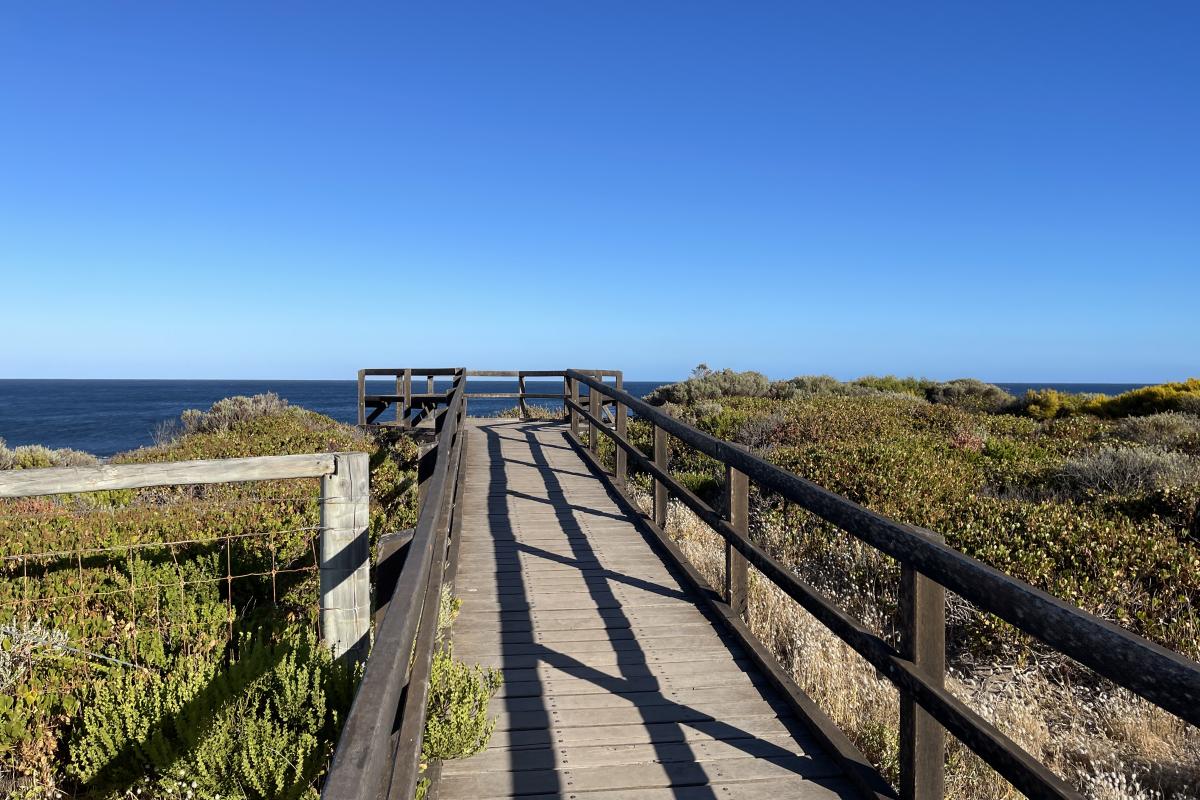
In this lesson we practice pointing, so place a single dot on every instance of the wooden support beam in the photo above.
(923, 642)
(345, 557)
(737, 501)
(660, 488)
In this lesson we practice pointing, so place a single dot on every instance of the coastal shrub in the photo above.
(761, 431)
(226, 413)
(1046, 404)
(971, 394)
(1172, 430)
(260, 727)
(1177, 396)
(802, 385)
(706, 384)
(35, 456)
(458, 725)
(917, 387)
(1131, 470)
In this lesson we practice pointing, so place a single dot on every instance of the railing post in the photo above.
(737, 578)
(660, 488)
(594, 408)
(521, 395)
(575, 411)
(622, 457)
(362, 397)
(345, 557)
(407, 408)
(922, 641)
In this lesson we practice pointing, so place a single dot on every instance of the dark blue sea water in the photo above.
(109, 416)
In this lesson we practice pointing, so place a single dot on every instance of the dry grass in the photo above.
(1108, 743)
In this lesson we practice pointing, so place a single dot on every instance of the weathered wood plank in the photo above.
(71, 480)
(607, 658)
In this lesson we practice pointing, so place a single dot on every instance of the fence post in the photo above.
(594, 408)
(574, 411)
(737, 500)
(660, 488)
(407, 407)
(345, 557)
(521, 395)
(622, 457)
(362, 397)
(922, 641)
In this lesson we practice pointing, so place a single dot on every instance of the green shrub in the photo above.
(1048, 404)
(458, 725)
(917, 387)
(35, 456)
(971, 394)
(1173, 430)
(1131, 470)
(705, 384)
(260, 725)
(1178, 396)
(225, 414)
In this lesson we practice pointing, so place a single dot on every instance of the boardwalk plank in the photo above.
(607, 659)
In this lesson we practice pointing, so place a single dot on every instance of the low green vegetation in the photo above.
(162, 641)
(1094, 499)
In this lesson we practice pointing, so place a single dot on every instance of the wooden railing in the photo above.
(412, 408)
(378, 754)
(929, 567)
(345, 603)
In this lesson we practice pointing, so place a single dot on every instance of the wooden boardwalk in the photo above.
(616, 683)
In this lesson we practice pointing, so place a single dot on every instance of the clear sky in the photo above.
(246, 189)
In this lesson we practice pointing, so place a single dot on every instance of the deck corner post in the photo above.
(737, 569)
(622, 467)
(574, 411)
(362, 397)
(923, 642)
(594, 408)
(521, 395)
(345, 557)
(660, 488)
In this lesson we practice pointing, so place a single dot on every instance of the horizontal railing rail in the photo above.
(345, 510)
(929, 566)
(378, 753)
(413, 407)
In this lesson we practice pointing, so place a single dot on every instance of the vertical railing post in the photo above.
(737, 501)
(922, 641)
(574, 410)
(399, 394)
(622, 457)
(521, 395)
(594, 408)
(362, 397)
(345, 557)
(407, 393)
(660, 488)
(428, 384)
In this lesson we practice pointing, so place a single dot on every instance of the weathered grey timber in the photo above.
(345, 512)
(617, 684)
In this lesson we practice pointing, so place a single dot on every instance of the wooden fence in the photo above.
(929, 567)
(343, 562)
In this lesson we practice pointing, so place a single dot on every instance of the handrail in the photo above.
(369, 762)
(372, 406)
(1162, 677)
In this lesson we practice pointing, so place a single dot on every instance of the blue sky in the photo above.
(1007, 190)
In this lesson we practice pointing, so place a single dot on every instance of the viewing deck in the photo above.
(616, 683)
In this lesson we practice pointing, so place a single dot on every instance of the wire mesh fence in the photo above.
(146, 580)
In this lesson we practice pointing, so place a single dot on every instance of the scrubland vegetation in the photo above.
(1093, 499)
(163, 642)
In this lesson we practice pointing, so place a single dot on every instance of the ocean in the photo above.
(110, 416)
